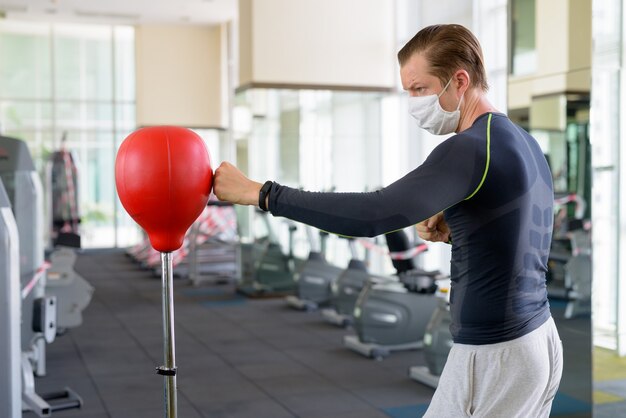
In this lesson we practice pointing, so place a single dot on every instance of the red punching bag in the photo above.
(163, 177)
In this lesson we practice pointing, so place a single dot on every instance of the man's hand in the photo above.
(434, 229)
(231, 185)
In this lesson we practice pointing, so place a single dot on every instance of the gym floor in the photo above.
(239, 357)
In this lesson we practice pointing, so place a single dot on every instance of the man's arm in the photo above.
(450, 174)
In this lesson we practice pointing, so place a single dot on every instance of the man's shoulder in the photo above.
(458, 148)
(478, 137)
(465, 141)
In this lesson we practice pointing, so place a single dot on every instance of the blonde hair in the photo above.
(448, 48)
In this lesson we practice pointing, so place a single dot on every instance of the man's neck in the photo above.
(476, 104)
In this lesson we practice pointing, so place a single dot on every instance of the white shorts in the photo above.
(513, 379)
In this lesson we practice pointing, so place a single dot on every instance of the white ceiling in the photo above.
(122, 11)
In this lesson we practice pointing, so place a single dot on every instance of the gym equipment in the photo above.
(25, 192)
(72, 291)
(391, 315)
(213, 248)
(437, 343)
(38, 307)
(163, 177)
(10, 307)
(569, 265)
(315, 277)
(265, 270)
(345, 290)
(210, 249)
(209, 252)
(577, 277)
(62, 180)
(150, 259)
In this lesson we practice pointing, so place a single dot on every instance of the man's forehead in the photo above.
(417, 61)
(414, 69)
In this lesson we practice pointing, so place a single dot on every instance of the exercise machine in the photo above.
(10, 311)
(348, 286)
(23, 187)
(73, 293)
(213, 247)
(62, 182)
(437, 343)
(209, 253)
(346, 289)
(265, 269)
(38, 307)
(315, 277)
(391, 315)
(569, 265)
(577, 274)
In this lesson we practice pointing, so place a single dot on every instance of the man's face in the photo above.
(417, 81)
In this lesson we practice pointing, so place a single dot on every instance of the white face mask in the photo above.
(430, 116)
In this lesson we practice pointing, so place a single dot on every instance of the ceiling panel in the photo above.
(122, 11)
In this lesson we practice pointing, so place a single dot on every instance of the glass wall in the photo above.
(75, 82)
(523, 50)
(316, 140)
(609, 316)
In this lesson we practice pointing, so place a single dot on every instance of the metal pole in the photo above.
(168, 370)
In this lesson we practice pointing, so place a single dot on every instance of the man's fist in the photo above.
(434, 229)
(231, 185)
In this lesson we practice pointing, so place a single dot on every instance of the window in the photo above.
(523, 50)
(78, 82)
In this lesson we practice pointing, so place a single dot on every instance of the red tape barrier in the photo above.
(36, 277)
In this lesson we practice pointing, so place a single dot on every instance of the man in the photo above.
(486, 190)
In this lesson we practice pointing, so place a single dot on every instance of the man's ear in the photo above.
(462, 81)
